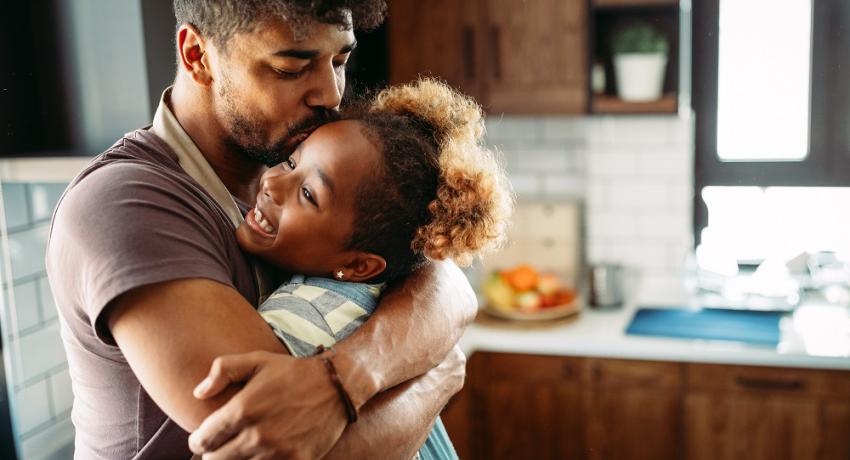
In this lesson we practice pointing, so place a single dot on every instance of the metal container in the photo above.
(606, 286)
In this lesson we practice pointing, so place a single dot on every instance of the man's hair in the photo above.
(218, 20)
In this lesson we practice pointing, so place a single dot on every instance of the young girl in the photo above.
(365, 201)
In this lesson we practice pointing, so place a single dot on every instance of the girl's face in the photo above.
(305, 209)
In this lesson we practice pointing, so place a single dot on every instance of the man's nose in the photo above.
(326, 91)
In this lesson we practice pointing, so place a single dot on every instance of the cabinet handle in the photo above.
(469, 52)
(755, 383)
(567, 370)
(496, 48)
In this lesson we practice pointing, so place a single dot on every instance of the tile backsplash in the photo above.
(39, 384)
(634, 175)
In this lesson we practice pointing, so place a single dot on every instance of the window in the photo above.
(772, 103)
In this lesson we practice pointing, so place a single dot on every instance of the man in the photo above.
(152, 287)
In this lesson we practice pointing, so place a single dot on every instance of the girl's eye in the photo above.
(288, 164)
(309, 196)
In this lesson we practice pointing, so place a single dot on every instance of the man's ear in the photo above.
(192, 51)
(363, 266)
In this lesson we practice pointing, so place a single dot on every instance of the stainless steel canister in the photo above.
(606, 286)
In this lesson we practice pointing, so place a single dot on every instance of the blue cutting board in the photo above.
(752, 327)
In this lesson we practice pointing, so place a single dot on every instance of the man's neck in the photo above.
(240, 175)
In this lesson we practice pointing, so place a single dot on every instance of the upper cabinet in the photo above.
(442, 38)
(515, 57)
(542, 56)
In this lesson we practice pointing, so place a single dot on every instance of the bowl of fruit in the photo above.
(523, 293)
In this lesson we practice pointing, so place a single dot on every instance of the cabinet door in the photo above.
(436, 37)
(734, 412)
(529, 407)
(632, 409)
(536, 56)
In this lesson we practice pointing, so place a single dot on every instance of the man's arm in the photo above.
(410, 333)
(382, 430)
(171, 333)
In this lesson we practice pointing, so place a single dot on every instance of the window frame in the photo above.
(828, 160)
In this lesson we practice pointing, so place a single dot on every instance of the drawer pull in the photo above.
(755, 383)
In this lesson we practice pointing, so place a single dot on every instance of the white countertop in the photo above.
(812, 337)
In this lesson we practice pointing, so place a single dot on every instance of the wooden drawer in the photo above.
(769, 380)
(530, 368)
(613, 373)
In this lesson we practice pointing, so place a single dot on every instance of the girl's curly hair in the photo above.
(439, 192)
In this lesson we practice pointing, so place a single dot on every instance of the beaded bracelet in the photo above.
(350, 410)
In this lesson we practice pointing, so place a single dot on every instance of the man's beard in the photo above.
(247, 138)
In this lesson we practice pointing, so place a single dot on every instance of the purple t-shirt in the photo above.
(133, 217)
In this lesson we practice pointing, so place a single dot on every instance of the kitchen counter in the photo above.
(814, 336)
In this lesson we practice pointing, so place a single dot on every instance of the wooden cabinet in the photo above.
(517, 57)
(440, 38)
(516, 394)
(547, 407)
(632, 409)
(734, 412)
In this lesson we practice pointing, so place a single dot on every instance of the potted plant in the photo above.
(640, 59)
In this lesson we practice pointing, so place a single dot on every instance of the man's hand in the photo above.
(263, 428)
(304, 421)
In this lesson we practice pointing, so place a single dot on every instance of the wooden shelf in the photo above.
(632, 3)
(613, 105)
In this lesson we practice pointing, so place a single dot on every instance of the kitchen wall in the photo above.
(39, 383)
(635, 175)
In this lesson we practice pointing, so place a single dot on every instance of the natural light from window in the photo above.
(754, 223)
(764, 80)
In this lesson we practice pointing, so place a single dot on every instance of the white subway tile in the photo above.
(565, 128)
(525, 185)
(682, 196)
(563, 186)
(60, 388)
(43, 351)
(26, 305)
(48, 306)
(665, 164)
(639, 195)
(32, 407)
(598, 196)
(26, 250)
(543, 160)
(56, 442)
(43, 198)
(602, 163)
(663, 226)
(16, 205)
(505, 128)
(611, 225)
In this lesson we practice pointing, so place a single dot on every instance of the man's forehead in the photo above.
(277, 34)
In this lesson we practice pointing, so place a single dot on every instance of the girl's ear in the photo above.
(361, 267)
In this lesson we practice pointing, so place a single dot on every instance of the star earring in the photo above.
(339, 274)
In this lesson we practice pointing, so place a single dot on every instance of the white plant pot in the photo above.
(640, 76)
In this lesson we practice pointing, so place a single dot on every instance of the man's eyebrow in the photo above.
(348, 48)
(310, 54)
(298, 54)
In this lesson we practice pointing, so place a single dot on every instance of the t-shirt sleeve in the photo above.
(128, 225)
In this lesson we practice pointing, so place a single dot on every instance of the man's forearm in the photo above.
(412, 331)
(394, 424)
